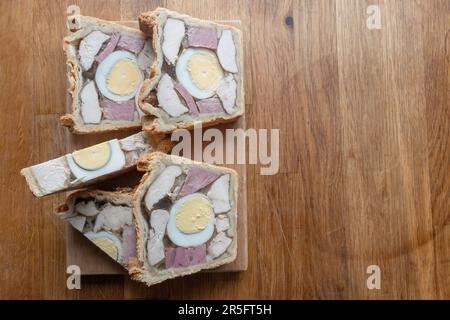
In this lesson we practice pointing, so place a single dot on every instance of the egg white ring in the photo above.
(108, 235)
(184, 76)
(115, 163)
(104, 69)
(182, 239)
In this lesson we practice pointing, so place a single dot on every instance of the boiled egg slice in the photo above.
(107, 242)
(199, 71)
(118, 77)
(96, 161)
(191, 221)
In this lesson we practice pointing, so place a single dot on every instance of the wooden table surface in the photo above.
(364, 119)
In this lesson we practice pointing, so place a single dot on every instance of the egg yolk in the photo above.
(94, 157)
(124, 77)
(205, 71)
(108, 246)
(194, 215)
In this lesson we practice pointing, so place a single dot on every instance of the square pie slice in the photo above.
(198, 72)
(185, 214)
(107, 63)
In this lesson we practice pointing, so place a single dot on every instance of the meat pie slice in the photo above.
(185, 214)
(197, 73)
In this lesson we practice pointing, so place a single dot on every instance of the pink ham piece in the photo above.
(110, 47)
(184, 257)
(202, 37)
(196, 255)
(196, 179)
(118, 111)
(133, 44)
(210, 105)
(181, 258)
(187, 98)
(170, 257)
(129, 243)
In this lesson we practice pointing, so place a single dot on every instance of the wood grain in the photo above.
(364, 119)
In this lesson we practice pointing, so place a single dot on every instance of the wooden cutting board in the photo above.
(91, 260)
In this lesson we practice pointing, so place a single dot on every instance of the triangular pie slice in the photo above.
(105, 218)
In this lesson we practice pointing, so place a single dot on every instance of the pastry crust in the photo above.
(151, 24)
(153, 163)
(78, 27)
(32, 183)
